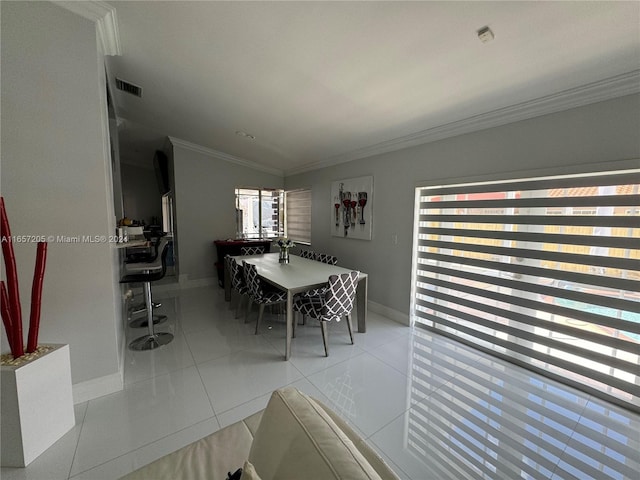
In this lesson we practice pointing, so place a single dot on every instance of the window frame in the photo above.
(262, 192)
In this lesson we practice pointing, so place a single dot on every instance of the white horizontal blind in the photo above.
(298, 215)
(483, 427)
(544, 272)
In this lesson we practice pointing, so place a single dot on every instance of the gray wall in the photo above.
(205, 206)
(142, 199)
(602, 132)
(56, 178)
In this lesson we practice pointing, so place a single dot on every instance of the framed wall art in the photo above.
(351, 208)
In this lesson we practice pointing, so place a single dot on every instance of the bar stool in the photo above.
(138, 263)
(153, 272)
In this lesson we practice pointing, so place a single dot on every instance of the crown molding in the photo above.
(607, 89)
(209, 152)
(104, 16)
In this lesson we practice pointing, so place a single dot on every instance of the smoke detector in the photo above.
(485, 35)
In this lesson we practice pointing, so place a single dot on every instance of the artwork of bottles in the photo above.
(351, 208)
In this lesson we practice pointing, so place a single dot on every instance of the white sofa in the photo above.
(295, 438)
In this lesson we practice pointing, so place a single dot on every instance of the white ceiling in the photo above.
(323, 82)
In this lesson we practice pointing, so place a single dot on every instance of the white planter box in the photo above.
(37, 406)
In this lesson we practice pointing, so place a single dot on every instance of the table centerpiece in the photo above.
(285, 244)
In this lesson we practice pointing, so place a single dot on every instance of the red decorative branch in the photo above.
(6, 314)
(12, 283)
(36, 297)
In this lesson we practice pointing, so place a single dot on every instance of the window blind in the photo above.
(298, 215)
(543, 272)
(483, 426)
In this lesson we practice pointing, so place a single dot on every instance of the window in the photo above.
(259, 213)
(298, 218)
(543, 272)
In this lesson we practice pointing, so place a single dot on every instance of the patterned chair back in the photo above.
(237, 280)
(252, 280)
(257, 250)
(324, 258)
(339, 297)
(308, 254)
(228, 266)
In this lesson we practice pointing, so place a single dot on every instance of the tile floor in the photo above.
(433, 408)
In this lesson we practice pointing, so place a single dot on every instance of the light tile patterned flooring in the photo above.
(433, 408)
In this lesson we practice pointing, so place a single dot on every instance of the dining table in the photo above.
(299, 275)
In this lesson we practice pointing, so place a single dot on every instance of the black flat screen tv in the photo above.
(161, 166)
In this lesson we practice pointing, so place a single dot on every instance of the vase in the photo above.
(37, 405)
(284, 255)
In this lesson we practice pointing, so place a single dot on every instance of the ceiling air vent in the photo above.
(128, 87)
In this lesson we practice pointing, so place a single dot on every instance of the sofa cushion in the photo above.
(369, 453)
(297, 439)
(253, 422)
(209, 458)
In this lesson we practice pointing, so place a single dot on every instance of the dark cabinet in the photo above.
(232, 247)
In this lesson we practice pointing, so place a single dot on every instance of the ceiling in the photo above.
(323, 82)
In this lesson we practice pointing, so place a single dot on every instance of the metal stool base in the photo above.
(143, 322)
(139, 309)
(149, 342)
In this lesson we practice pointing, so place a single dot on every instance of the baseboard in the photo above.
(390, 313)
(97, 387)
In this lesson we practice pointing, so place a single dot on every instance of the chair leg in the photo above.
(260, 313)
(295, 321)
(325, 334)
(141, 322)
(239, 305)
(231, 299)
(149, 304)
(141, 308)
(350, 329)
(246, 314)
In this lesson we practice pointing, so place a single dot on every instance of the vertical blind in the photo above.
(298, 215)
(544, 272)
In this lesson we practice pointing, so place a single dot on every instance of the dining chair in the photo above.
(237, 281)
(256, 250)
(308, 254)
(336, 302)
(259, 294)
(324, 258)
